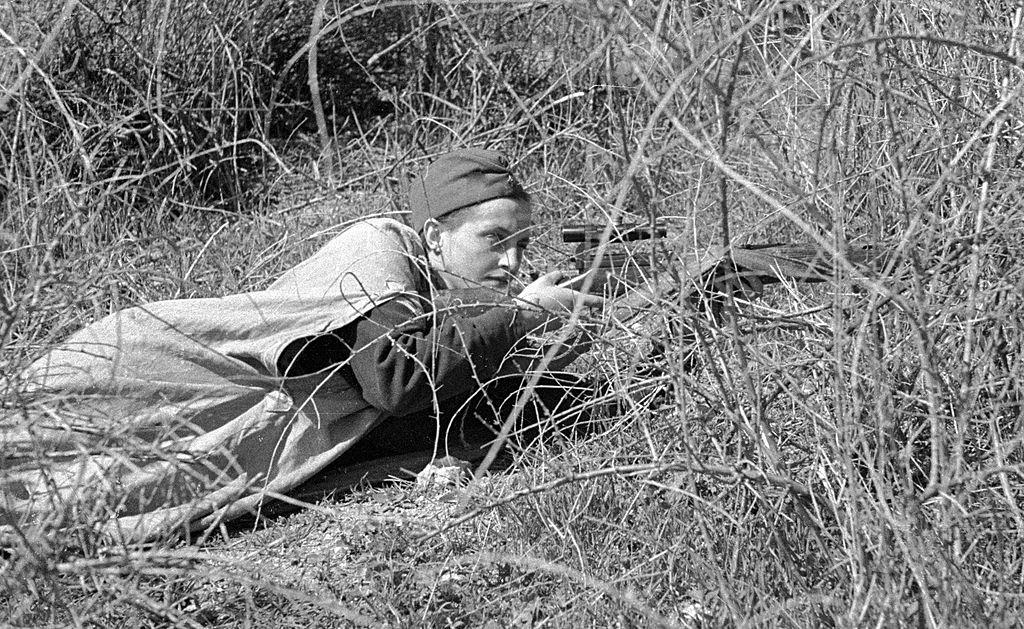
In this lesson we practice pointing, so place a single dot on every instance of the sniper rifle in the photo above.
(640, 265)
(636, 254)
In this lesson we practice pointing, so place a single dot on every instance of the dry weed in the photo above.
(844, 454)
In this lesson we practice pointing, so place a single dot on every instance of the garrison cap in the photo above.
(459, 179)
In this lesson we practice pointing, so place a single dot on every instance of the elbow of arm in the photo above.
(396, 407)
(385, 404)
(402, 410)
(396, 400)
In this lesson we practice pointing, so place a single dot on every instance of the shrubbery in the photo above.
(846, 454)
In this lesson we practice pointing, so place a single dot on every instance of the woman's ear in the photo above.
(432, 236)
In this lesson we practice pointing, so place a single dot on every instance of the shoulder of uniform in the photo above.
(385, 223)
(377, 229)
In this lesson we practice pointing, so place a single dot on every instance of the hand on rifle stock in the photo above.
(550, 302)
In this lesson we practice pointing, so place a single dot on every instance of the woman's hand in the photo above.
(546, 296)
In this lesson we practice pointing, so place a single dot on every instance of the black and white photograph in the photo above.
(511, 313)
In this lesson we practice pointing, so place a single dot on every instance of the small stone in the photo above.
(443, 473)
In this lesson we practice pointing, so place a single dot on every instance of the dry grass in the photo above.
(847, 454)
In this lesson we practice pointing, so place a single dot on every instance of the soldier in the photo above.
(182, 413)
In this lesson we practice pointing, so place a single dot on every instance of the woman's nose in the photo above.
(511, 259)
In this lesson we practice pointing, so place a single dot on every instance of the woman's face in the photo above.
(482, 246)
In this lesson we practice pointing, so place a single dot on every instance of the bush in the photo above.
(842, 454)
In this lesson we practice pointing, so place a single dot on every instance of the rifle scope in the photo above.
(626, 232)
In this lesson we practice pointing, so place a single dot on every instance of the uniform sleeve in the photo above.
(401, 359)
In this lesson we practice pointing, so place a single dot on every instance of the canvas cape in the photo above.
(173, 414)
